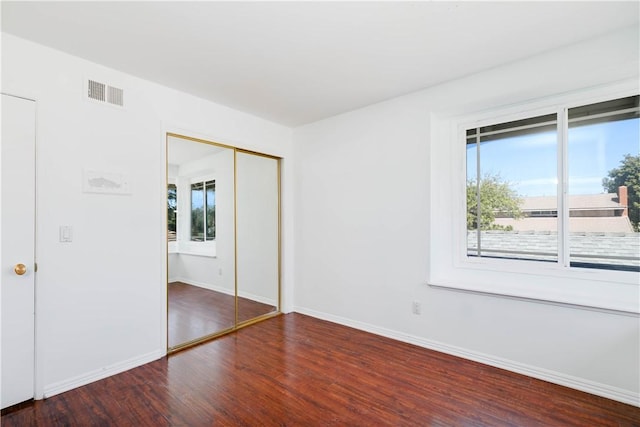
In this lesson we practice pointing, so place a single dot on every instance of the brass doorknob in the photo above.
(20, 269)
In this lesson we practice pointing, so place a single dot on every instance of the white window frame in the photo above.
(450, 267)
(185, 245)
(203, 182)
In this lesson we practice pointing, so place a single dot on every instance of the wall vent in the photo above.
(96, 90)
(101, 92)
(115, 96)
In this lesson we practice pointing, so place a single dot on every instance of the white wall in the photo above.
(362, 234)
(101, 302)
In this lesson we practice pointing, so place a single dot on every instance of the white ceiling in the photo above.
(298, 62)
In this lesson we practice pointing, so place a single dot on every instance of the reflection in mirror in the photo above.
(257, 240)
(201, 251)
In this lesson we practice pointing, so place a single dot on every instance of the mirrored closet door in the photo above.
(257, 237)
(223, 239)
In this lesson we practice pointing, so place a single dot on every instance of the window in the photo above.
(603, 147)
(510, 167)
(172, 209)
(203, 211)
(557, 188)
(586, 160)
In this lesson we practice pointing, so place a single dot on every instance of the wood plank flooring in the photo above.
(294, 370)
(195, 312)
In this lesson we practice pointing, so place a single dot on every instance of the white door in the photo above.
(17, 283)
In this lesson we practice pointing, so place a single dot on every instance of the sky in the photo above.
(529, 162)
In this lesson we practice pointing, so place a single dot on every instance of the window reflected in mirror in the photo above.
(203, 221)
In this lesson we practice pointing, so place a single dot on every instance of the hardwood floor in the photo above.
(195, 312)
(294, 370)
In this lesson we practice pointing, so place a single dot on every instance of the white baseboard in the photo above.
(258, 298)
(99, 374)
(599, 389)
(204, 285)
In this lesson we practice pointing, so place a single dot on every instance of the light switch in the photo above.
(66, 233)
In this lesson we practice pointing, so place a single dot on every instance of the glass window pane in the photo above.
(604, 181)
(473, 236)
(512, 173)
(211, 210)
(197, 212)
(172, 205)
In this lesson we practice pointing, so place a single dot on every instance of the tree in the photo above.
(627, 174)
(172, 203)
(496, 196)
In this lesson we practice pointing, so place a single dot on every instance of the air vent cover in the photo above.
(101, 92)
(115, 96)
(96, 90)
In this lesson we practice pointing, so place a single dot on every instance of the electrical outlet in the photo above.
(416, 308)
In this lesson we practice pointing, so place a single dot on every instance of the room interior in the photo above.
(345, 112)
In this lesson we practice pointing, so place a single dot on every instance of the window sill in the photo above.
(203, 249)
(593, 291)
(536, 299)
(192, 253)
